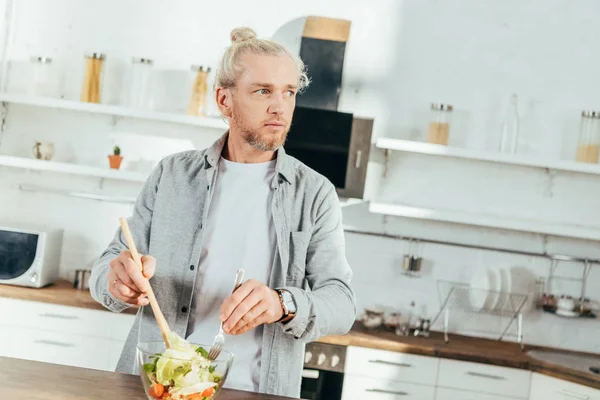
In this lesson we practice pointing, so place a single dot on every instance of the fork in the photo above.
(219, 340)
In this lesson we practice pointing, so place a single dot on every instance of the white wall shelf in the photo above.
(69, 168)
(206, 122)
(486, 220)
(453, 152)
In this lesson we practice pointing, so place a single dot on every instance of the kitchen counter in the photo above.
(22, 379)
(464, 348)
(61, 292)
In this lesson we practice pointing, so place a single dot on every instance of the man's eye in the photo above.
(291, 93)
(262, 91)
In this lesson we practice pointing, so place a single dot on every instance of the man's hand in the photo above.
(251, 305)
(125, 280)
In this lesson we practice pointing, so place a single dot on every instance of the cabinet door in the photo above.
(358, 387)
(57, 347)
(483, 378)
(390, 365)
(453, 394)
(548, 388)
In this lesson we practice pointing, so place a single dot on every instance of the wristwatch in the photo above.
(288, 304)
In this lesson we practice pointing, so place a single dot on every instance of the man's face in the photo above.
(263, 100)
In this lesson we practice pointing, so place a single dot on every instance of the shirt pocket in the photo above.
(299, 242)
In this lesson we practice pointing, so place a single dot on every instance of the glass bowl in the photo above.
(181, 375)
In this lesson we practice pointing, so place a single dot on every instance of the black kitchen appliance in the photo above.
(323, 373)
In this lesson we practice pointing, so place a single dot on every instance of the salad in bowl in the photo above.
(182, 372)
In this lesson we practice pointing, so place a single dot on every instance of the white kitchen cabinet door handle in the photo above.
(54, 343)
(397, 393)
(395, 364)
(58, 316)
(573, 395)
(487, 376)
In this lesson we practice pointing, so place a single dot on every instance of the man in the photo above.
(242, 203)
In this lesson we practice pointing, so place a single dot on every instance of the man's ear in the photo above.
(223, 98)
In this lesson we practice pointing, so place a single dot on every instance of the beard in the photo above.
(253, 137)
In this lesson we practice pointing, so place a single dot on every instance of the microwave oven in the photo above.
(29, 257)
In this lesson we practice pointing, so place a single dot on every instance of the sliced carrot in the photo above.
(194, 396)
(208, 392)
(156, 390)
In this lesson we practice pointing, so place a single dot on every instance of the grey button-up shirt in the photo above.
(167, 223)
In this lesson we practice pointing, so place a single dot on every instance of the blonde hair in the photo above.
(244, 40)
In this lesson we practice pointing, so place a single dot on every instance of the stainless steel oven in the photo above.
(323, 373)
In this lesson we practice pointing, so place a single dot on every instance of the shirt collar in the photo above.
(282, 167)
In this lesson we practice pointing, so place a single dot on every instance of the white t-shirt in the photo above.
(239, 233)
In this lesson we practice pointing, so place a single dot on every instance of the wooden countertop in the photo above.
(61, 292)
(23, 379)
(464, 348)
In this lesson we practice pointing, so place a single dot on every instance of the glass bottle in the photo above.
(588, 146)
(139, 83)
(509, 139)
(197, 104)
(439, 127)
(90, 90)
(41, 76)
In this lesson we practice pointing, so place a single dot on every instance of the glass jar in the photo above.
(92, 79)
(439, 127)
(197, 104)
(41, 79)
(588, 146)
(139, 85)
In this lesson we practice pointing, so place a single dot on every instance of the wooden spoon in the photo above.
(160, 318)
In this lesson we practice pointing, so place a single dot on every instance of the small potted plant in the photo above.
(115, 159)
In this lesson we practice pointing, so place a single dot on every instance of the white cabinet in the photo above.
(62, 335)
(454, 394)
(356, 387)
(547, 388)
(483, 378)
(389, 365)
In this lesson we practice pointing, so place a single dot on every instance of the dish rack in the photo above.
(456, 299)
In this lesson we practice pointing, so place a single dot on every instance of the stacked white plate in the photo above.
(491, 288)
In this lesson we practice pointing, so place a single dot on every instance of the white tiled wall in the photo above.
(402, 55)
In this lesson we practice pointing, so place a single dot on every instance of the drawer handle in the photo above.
(488, 376)
(395, 364)
(59, 316)
(573, 395)
(397, 393)
(54, 343)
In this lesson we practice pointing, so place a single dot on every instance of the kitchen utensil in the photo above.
(81, 280)
(148, 364)
(412, 261)
(495, 288)
(566, 303)
(219, 340)
(43, 150)
(160, 318)
(372, 318)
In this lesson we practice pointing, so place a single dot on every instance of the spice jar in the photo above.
(588, 146)
(139, 83)
(197, 104)
(90, 90)
(439, 127)
(41, 76)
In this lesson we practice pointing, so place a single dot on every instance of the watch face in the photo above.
(288, 299)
